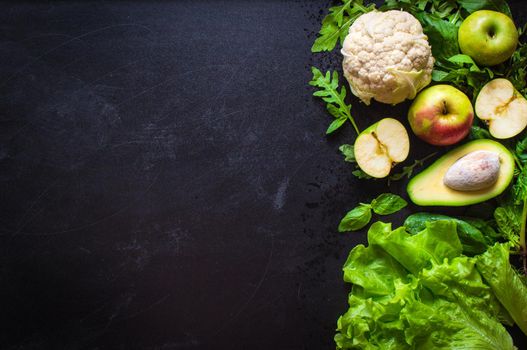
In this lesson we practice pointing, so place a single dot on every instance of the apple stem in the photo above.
(445, 110)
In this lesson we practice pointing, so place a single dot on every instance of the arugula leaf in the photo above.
(477, 132)
(520, 198)
(520, 187)
(336, 24)
(516, 70)
(356, 218)
(348, 152)
(360, 174)
(388, 203)
(508, 223)
(444, 9)
(336, 105)
(349, 156)
(521, 150)
(461, 71)
(408, 170)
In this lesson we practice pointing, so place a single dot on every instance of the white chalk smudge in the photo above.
(280, 197)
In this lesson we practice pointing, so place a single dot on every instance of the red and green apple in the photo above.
(441, 115)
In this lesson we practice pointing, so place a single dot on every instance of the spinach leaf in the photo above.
(442, 35)
(495, 5)
(473, 240)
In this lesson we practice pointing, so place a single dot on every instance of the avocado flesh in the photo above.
(427, 187)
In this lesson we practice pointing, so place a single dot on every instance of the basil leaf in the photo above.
(388, 203)
(356, 218)
(460, 58)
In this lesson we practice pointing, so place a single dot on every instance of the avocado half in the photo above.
(427, 187)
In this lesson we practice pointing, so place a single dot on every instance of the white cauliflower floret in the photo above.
(387, 57)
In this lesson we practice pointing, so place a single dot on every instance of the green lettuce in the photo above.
(418, 291)
(473, 240)
(505, 282)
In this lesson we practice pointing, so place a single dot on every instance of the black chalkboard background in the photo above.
(165, 179)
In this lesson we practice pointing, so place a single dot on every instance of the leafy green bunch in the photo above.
(420, 291)
(360, 216)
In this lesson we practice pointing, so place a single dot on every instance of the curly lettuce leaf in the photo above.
(509, 288)
(472, 239)
(436, 298)
(373, 269)
(438, 241)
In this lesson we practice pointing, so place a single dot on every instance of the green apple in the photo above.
(441, 115)
(502, 108)
(489, 37)
(381, 146)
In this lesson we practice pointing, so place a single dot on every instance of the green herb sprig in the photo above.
(360, 216)
(336, 24)
(329, 92)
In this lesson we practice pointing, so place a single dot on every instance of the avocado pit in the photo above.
(475, 171)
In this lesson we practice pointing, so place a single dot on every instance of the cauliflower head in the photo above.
(387, 57)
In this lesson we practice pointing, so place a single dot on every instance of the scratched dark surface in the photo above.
(165, 180)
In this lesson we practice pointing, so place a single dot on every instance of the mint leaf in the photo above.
(356, 218)
(388, 203)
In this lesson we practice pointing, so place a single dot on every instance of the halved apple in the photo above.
(503, 108)
(381, 146)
